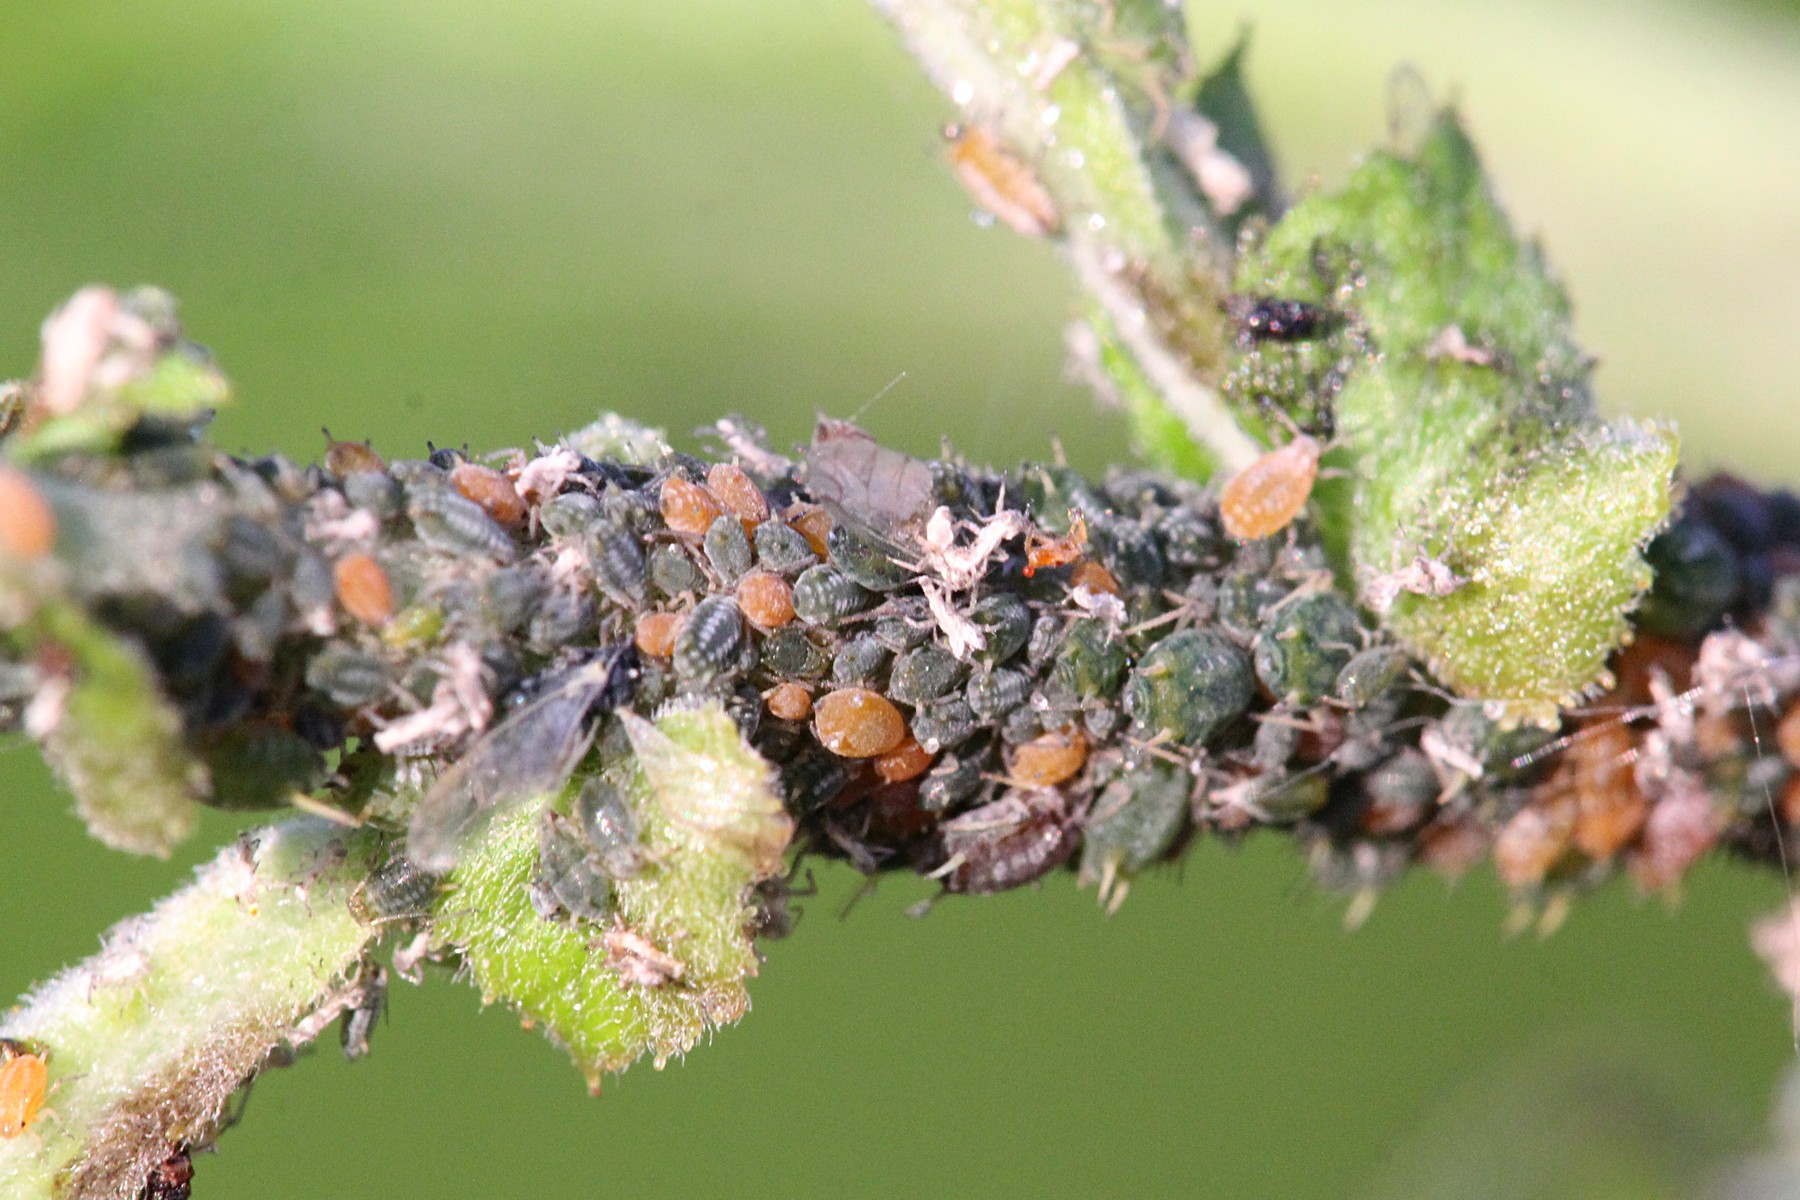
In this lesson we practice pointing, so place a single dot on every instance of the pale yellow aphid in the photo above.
(1265, 497)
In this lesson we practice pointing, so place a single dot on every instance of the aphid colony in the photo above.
(974, 675)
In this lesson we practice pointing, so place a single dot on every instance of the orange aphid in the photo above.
(492, 490)
(363, 588)
(858, 723)
(1000, 181)
(766, 600)
(656, 633)
(688, 508)
(1095, 578)
(27, 524)
(738, 493)
(1048, 760)
(1048, 550)
(1609, 806)
(908, 760)
(24, 1081)
(1787, 736)
(347, 458)
(1534, 841)
(789, 701)
(814, 525)
(1265, 497)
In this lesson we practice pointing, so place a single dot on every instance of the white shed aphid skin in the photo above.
(526, 757)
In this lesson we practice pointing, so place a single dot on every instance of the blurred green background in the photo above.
(484, 221)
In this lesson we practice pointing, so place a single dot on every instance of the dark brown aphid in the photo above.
(1269, 319)
(1018, 838)
(170, 1179)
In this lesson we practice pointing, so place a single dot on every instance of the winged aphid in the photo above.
(529, 755)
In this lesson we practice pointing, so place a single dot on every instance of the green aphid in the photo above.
(994, 693)
(923, 674)
(1091, 661)
(1303, 646)
(1369, 675)
(782, 549)
(860, 662)
(727, 548)
(1133, 823)
(1005, 622)
(825, 595)
(349, 677)
(673, 571)
(943, 724)
(1189, 687)
(864, 560)
(790, 654)
(711, 640)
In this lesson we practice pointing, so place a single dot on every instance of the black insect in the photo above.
(527, 756)
(1270, 319)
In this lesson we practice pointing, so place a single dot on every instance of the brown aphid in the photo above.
(813, 524)
(24, 1082)
(493, 491)
(857, 723)
(347, 458)
(363, 589)
(1095, 578)
(1048, 759)
(1001, 182)
(1264, 498)
(766, 600)
(1610, 808)
(687, 508)
(1534, 841)
(1018, 838)
(908, 760)
(656, 632)
(738, 493)
(27, 523)
(790, 701)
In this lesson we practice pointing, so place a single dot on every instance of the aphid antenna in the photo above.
(871, 401)
(1787, 872)
(307, 803)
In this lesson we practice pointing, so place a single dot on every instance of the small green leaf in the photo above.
(711, 827)
(1468, 428)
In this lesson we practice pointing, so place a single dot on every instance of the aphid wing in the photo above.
(526, 758)
(864, 483)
